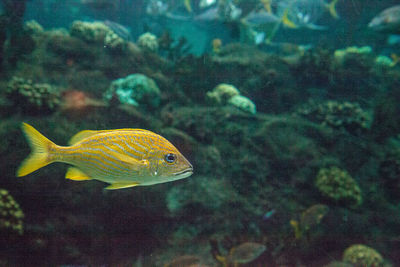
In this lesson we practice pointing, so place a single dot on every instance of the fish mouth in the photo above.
(185, 173)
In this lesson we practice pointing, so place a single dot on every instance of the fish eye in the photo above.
(170, 158)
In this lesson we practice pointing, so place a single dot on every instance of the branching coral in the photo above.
(11, 215)
(32, 97)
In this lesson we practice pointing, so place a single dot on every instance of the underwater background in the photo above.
(288, 110)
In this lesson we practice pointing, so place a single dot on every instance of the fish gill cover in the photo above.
(285, 111)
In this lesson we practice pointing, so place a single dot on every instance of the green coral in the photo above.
(11, 215)
(226, 94)
(90, 32)
(363, 256)
(222, 93)
(148, 42)
(243, 103)
(135, 89)
(97, 32)
(385, 61)
(339, 186)
(114, 42)
(341, 54)
(33, 27)
(32, 97)
(342, 115)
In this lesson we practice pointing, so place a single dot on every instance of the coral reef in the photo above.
(224, 94)
(92, 32)
(148, 42)
(136, 90)
(243, 103)
(33, 98)
(341, 54)
(11, 215)
(341, 115)
(363, 256)
(113, 42)
(33, 27)
(339, 186)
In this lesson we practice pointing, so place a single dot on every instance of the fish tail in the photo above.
(287, 22)
(188, 5)
(40, 155)
(332, 9)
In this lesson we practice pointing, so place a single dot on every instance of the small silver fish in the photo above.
(387, 21)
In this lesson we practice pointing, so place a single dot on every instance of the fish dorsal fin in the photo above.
(121, 185)
(76, 175)
(87, 133)
(82, 135)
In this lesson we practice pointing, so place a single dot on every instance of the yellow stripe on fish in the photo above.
(122, 157)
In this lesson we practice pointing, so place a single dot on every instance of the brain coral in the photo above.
(148, 41)
(136, 89)
(339, 186)
(363, 256)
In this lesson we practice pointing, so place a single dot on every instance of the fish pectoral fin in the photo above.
(76, 175)
(121, 185)
(134, 164)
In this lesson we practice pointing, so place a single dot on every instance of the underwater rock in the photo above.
(342, 115)
(314, 68)
(363, 256)
(33, 98)
(210, 194)
(148, 42)
(11, 215)
(136, 90)
(222, 93)
(339, 186)
(243, 103)
(389, 172)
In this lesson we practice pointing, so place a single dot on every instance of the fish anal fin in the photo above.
(121, 185)
(76, 175)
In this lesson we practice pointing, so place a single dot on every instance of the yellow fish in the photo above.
(123, 157)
